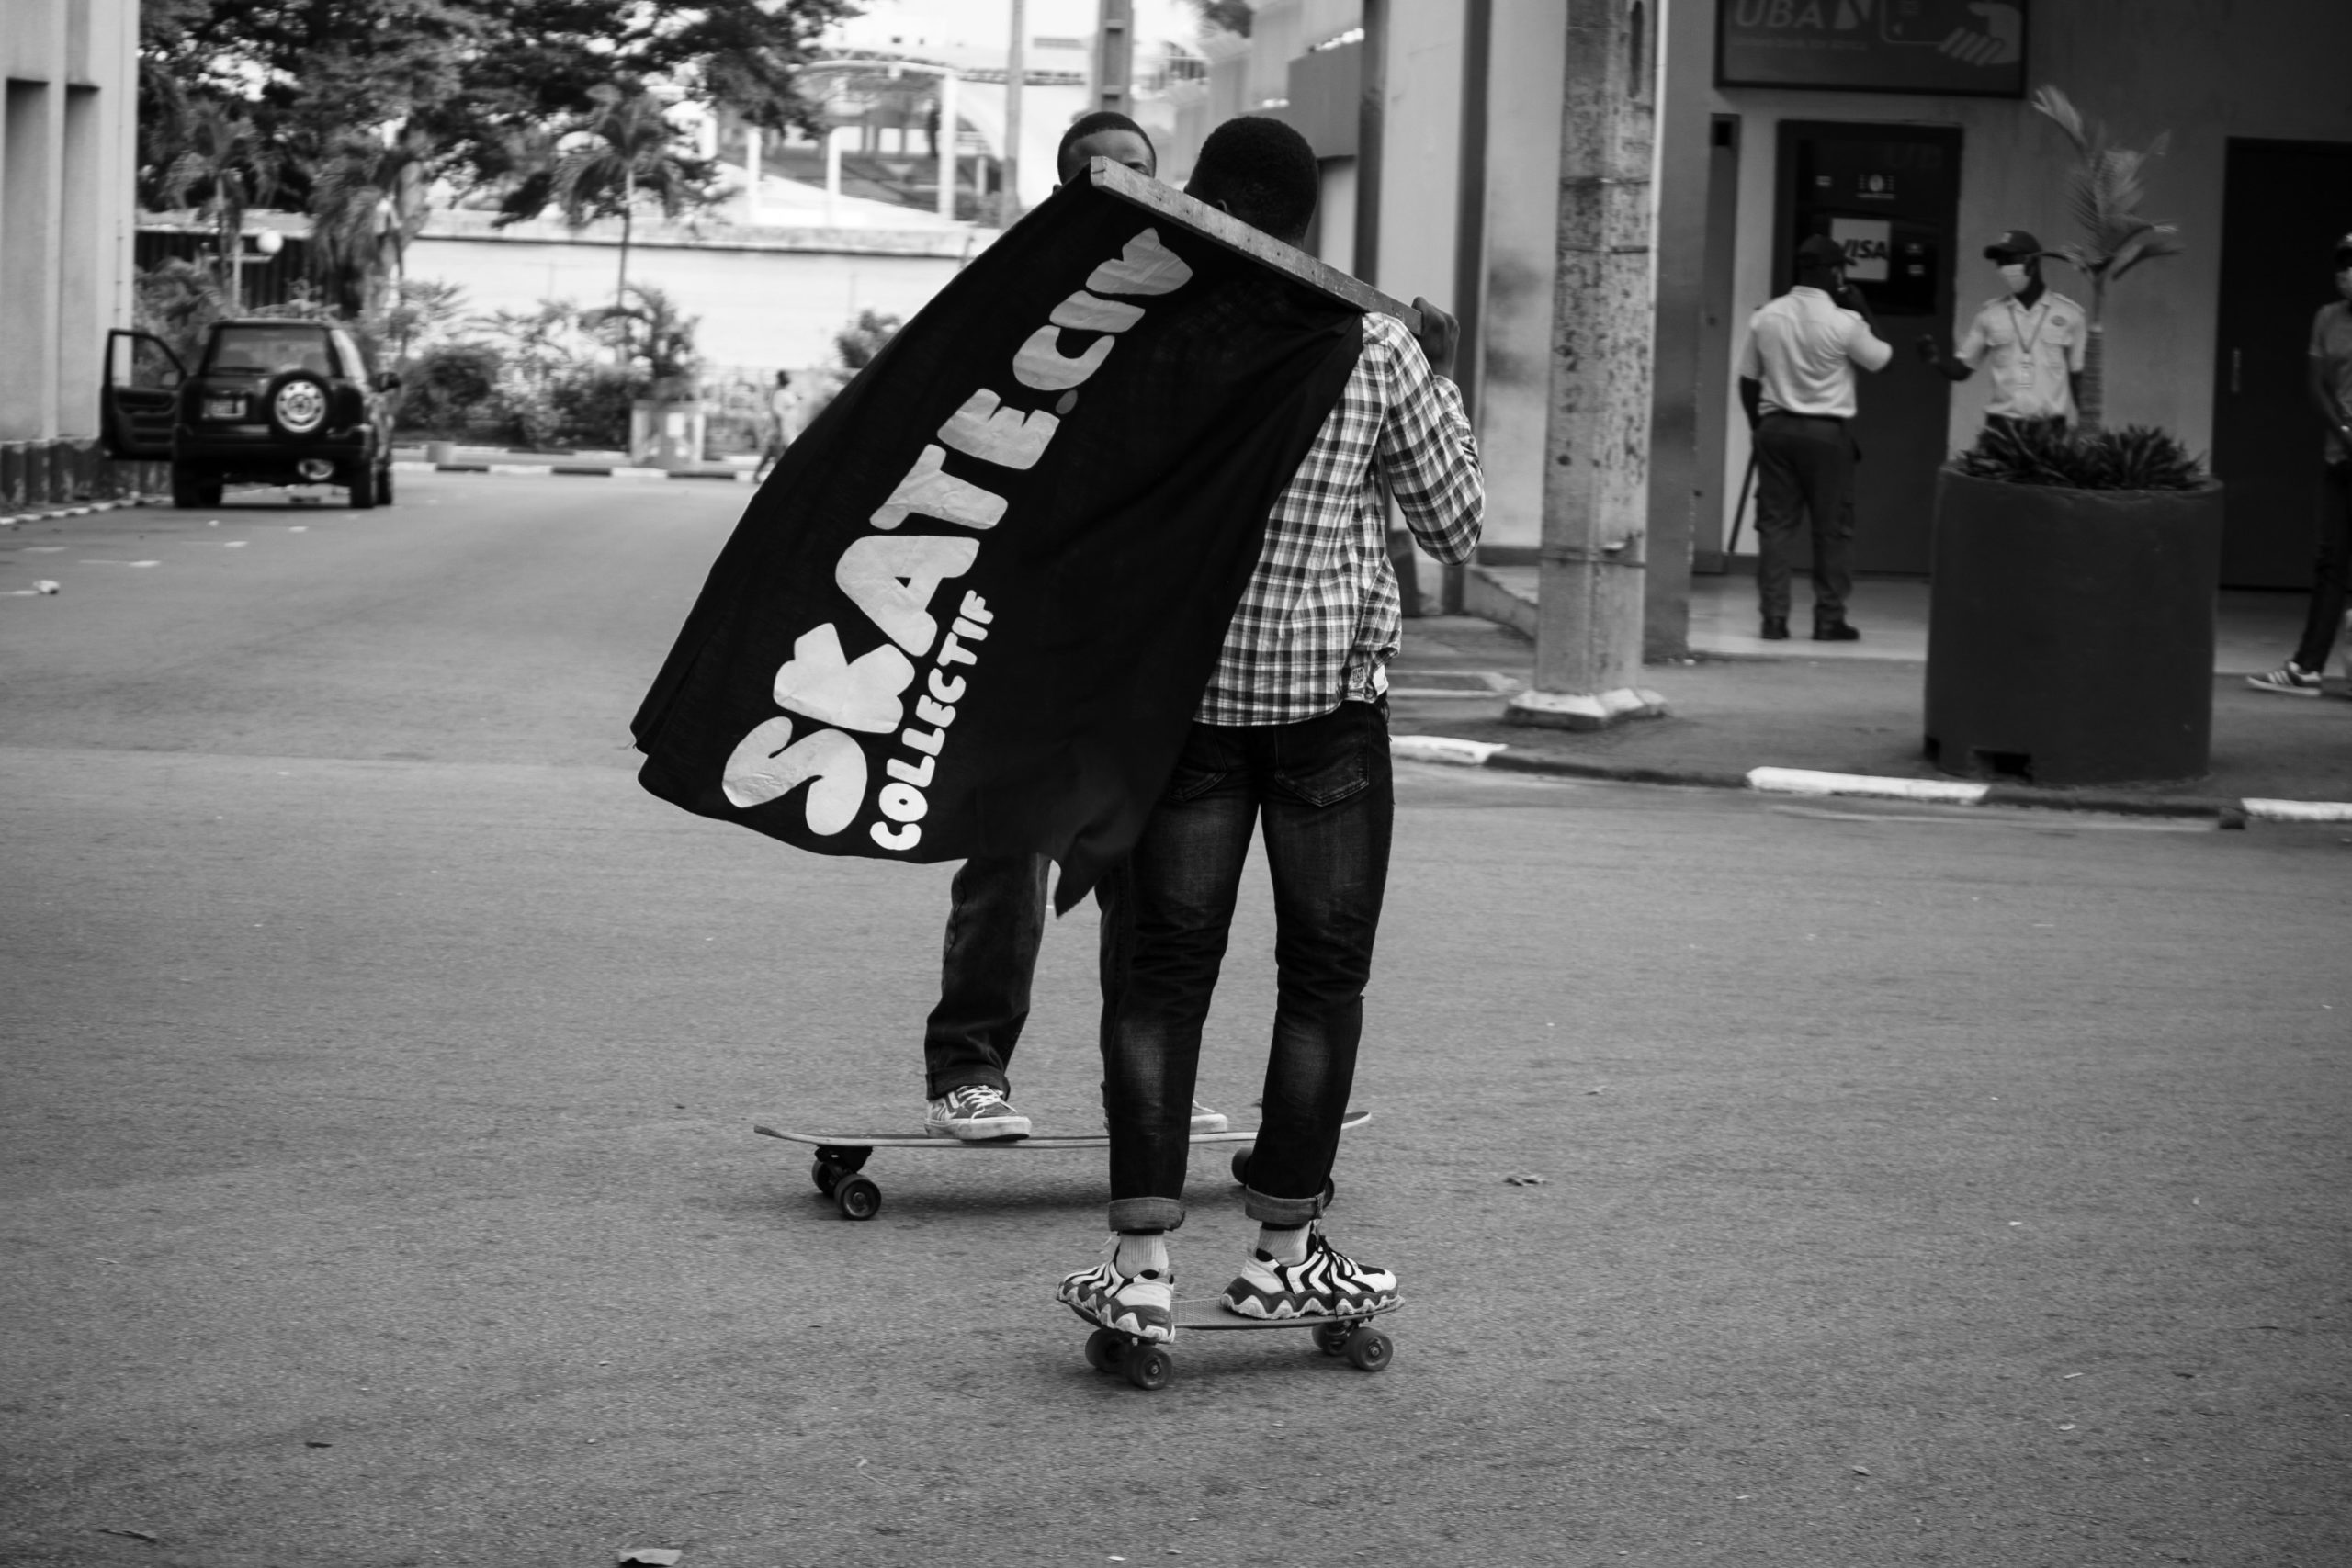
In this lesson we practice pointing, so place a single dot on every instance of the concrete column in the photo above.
(1596, 474)
(1016, 67)
(1114, 55)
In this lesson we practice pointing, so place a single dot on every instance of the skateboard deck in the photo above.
(841, 1156)
(1148, 1363)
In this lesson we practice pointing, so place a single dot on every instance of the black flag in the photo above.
(974, 608)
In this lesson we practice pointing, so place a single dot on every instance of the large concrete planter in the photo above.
(667, 432)
(2070, 634)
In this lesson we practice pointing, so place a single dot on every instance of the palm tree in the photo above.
(632, 152)
(2105, 196)
(223, 154)
(367, 202)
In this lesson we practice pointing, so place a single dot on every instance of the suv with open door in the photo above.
(270, 402)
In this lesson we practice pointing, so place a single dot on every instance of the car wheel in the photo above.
(297, 403)
(363, 487)
(384, 484)
(187, 490)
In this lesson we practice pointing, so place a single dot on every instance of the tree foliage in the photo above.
(353, 109)
(2104, 192)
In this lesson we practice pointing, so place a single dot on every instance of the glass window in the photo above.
(267, 350)
(353, 365)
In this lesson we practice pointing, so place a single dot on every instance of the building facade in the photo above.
(66, 222)
(1904, 128)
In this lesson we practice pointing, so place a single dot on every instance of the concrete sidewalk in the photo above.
(1854, 708)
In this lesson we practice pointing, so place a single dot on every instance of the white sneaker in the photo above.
(973, 1113)
(1327, 1282)
(1208, 1121)
(1141, 1304)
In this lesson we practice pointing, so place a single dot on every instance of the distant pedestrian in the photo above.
(2330, 381)
(776, 424)
(2030, 340)
(1796, 381)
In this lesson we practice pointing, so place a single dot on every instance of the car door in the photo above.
(140, 395)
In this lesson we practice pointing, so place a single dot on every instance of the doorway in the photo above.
(1889, 195)
(2283, 206)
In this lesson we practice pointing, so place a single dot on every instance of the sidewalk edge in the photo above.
(2229, 812)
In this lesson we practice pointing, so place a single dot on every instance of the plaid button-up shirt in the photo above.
(1319, 622)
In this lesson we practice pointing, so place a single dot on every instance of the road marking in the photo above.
(119, 563)
(1805, 781)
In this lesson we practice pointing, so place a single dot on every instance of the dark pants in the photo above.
(1804, 467)
(2328, 577)
(996, 922)
(1326, 796)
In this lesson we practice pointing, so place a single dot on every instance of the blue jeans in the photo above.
(1325, 795)
(996, 922)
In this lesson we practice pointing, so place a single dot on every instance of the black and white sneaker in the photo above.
(1142, 1305)
(973, 1113)
(2289, 678)
(1326, 1283)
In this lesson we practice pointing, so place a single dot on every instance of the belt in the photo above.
(1792, 414)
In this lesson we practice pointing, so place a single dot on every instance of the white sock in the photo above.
(1140, 1254)
(1282, 1243)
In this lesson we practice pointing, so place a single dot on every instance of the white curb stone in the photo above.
(2299, 811)
(1804, 780)
(1442, 749)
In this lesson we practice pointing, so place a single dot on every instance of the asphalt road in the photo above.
(377, 1186)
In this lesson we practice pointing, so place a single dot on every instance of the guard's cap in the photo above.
(1822, 250)
(2015, 244)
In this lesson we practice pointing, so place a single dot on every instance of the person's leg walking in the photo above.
(1329, 813)
(1829, 498)
(1780, 504)
(995, 924)
(1183, 874)
(2324, 619)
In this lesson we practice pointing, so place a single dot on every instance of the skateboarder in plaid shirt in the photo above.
(1291, 736)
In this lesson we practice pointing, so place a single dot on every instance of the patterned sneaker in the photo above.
(1140, 1304)
(1208, 1121)
(2289, 678)
(973, 1113)
(1328, 1283)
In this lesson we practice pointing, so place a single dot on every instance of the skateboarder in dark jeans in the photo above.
(998, 919)
(1291, 739)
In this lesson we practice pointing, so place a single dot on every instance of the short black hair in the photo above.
(1086, 125)
(1264, 171)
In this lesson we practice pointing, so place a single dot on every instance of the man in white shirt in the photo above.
(2329, 382)
(2031, 340)
(1796, 381)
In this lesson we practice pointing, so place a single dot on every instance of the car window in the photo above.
(353, 365)
(265, 351)
(141, 363)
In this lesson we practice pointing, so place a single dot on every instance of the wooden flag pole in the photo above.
(1223, 229)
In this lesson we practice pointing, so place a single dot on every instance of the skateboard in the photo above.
(842, 1156)
(1148, 1364)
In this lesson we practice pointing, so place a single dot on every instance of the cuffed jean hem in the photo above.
(978, 1078)
(1147, 1213)
(1282, 1212)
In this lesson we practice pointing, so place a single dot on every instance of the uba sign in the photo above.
(1967, 47)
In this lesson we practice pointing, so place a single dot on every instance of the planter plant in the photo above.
(2071, 635)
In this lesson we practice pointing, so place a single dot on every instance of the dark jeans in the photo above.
(1804, 467)
(2325, 617)
(1325, 794)
(995, 925)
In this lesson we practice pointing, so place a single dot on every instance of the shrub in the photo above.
(589, 405)
(860, 341)
(449, 388)
(2135, 457)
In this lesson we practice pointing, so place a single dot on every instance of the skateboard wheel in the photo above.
(857, 1198)
(825, 1174)
(1241, 1163)
(1368, 1349)
(1106, 1349)
(1147, 1366)
(1331, 1338)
